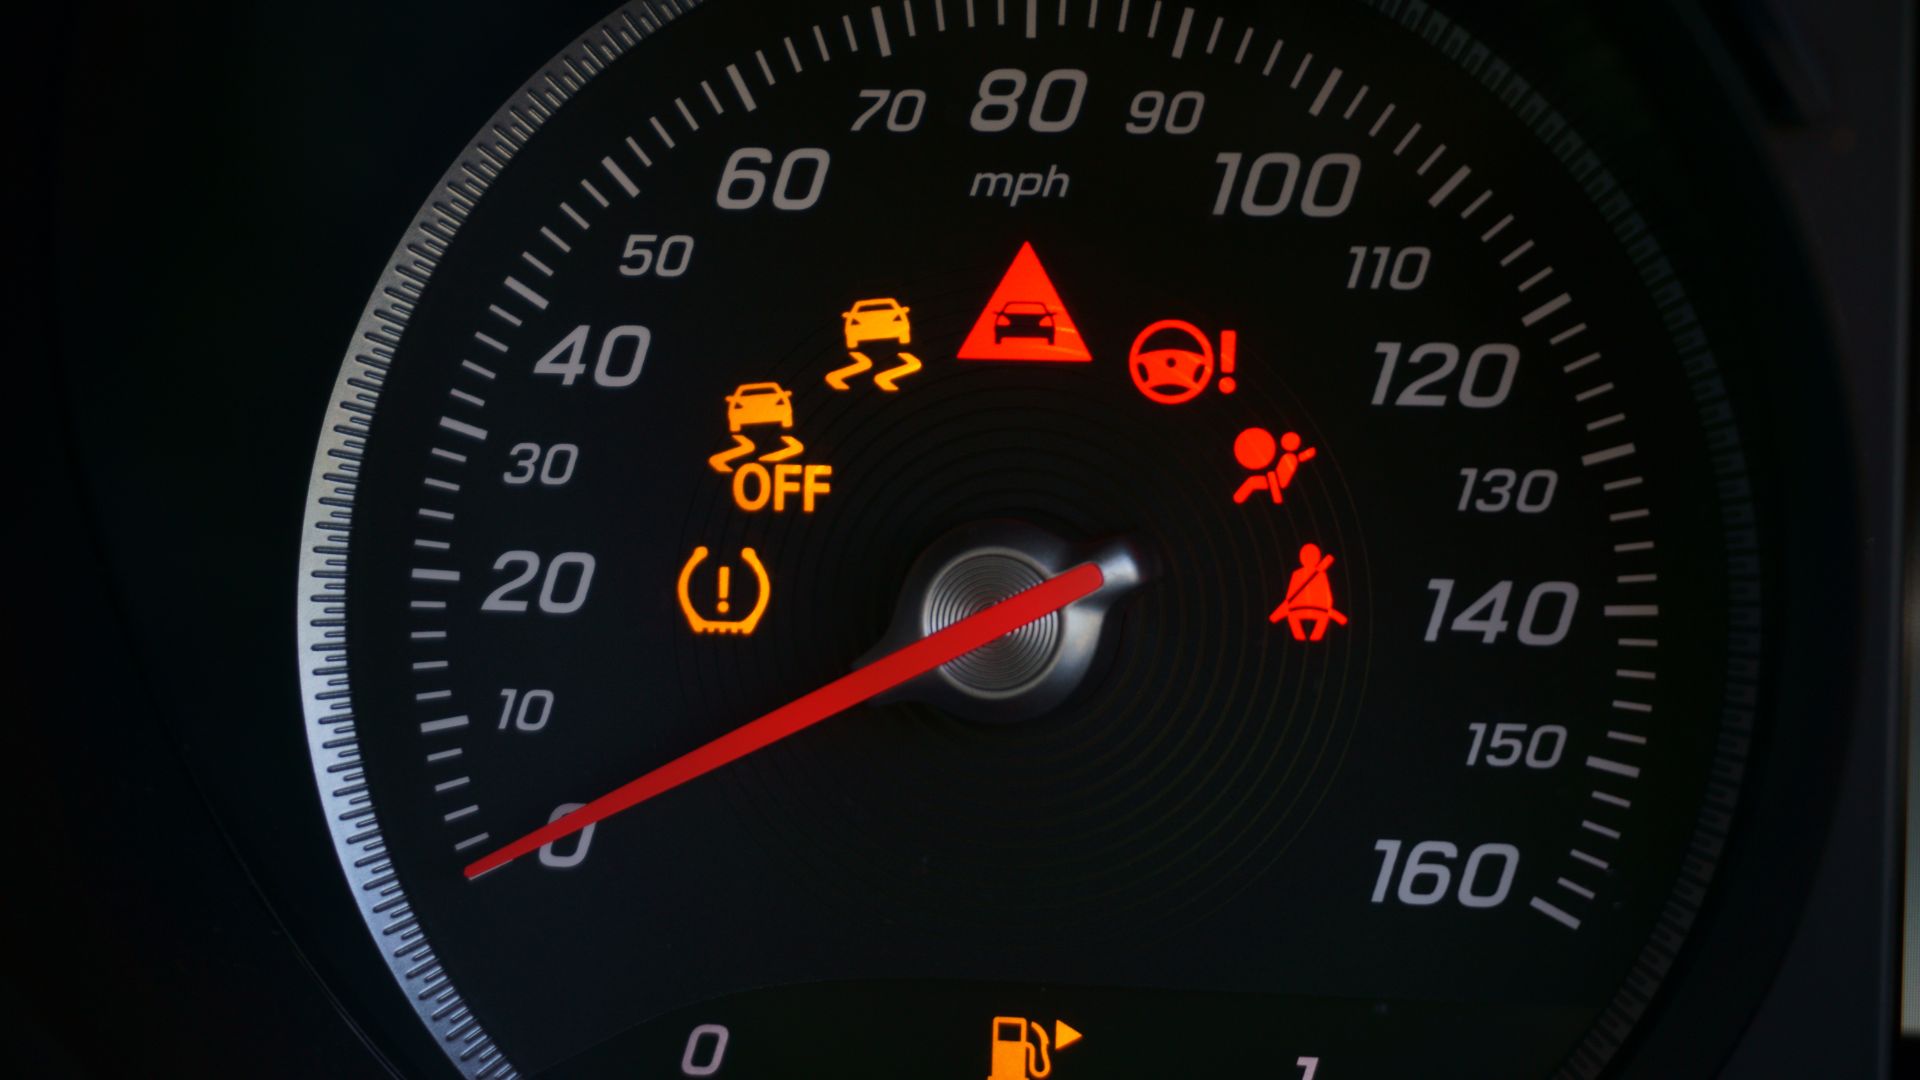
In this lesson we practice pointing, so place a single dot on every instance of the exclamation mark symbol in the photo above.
(726, 583)
(1228, 339)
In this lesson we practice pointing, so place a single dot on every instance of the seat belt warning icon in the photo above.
(1019, 1047)
(1308, 607)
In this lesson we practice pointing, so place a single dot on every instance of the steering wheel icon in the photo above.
(1171, 375)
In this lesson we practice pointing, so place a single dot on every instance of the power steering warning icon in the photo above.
(1172, 361)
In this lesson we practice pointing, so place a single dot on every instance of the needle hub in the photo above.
(1031, 670)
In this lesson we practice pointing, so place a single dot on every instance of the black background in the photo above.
(229, 181)
(886, 843)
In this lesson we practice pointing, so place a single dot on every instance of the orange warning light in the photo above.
(759, 403)
(1309, 603)
(882, 319)
(1025, 319)
(755, 487)
(887, 381)
(767, 480)
(1018, 1050)
(1274, 464)
(723, 601)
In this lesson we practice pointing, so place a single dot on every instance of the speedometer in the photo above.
(1015, 538)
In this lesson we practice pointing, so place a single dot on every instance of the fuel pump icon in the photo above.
(1019, 1050)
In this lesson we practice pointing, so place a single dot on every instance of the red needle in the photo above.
(841, 694)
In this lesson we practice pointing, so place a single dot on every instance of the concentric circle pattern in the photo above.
(974, 583)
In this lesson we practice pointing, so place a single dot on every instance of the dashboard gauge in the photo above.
(951, 538)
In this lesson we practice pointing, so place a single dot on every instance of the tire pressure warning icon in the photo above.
(719, 609)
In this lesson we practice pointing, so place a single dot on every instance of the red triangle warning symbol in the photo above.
(1024, 319)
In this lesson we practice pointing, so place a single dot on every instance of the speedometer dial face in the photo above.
(958, 539)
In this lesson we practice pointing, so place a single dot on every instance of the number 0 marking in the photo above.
(706, 1050)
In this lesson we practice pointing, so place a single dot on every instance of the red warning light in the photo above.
(1172, 361)
(1309, 603)
(1274, 464)
(1024, 319)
